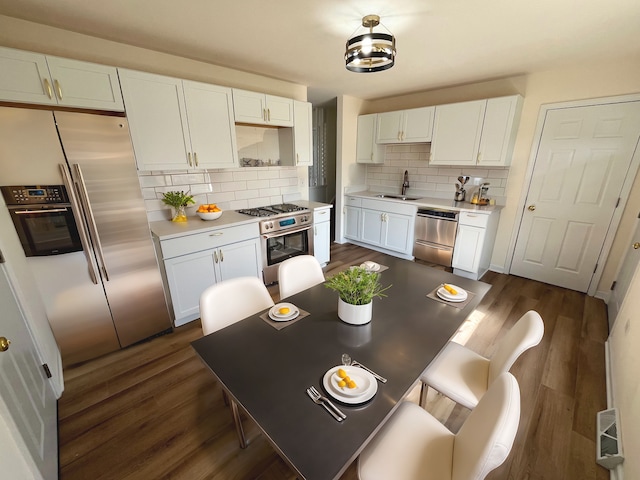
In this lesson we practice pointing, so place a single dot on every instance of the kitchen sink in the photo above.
(397, 197)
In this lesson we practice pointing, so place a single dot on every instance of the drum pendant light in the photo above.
(368, 51)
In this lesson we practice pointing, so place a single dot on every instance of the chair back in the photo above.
(299, 273)
(485, 439)
(232, 300)
(526, 333)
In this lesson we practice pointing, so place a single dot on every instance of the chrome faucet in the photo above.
(405, 183)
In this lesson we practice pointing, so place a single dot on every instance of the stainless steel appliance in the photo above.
(286, 231)
(43, 219)
(435, 235)
(108, 294)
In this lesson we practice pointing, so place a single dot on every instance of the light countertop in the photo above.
(426, 202)
(166, 229)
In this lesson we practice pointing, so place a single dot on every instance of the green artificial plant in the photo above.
(357, 286)
(177, 199)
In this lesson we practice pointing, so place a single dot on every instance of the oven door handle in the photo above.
(286, 232)
(44, 210)
(81, 227)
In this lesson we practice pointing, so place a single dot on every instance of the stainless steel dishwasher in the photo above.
(435, 235)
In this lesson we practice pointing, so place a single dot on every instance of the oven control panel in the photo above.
(282, 224)
(34, 194)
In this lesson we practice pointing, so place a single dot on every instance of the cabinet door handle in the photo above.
(58, 88)
(399, 135)
(297, 158)
(264, 114)
(221, 256)
(215, 256)
(268, 114)
(195, 158)
(531, 208)
(479, 156)
(189, 158)
(47, 86)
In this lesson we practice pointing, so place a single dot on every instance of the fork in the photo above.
(326, 403)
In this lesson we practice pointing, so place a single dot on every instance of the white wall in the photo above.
(349, 174)
(625, 356)
(25, 35)
(619, 76)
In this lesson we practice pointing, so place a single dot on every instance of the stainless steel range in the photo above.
(286, 231)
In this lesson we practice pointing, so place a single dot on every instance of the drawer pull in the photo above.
(217, 234)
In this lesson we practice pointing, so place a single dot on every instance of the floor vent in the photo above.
(608, 447)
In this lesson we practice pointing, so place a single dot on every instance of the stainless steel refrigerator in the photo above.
(108, 295)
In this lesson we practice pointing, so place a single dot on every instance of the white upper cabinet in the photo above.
(405, 126)
(260, 109)
(480, 132)
(367, 151)
(456, 133)
(211, 126)
(302, 133)
(499, 130)
(157, 120)
(27, 77)
(178, 124)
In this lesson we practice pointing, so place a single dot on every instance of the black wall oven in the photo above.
(43, 219)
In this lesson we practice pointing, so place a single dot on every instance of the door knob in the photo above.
(4, 344)
(636, 245)
(531, 208)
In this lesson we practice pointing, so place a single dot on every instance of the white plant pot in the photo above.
(354, 314)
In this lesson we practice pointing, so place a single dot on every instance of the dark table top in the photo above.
(267, 371)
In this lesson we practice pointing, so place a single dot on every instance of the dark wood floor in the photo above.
(153, 411)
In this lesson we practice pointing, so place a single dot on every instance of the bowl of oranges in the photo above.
(209, 211)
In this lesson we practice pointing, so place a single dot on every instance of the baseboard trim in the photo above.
(616, 473)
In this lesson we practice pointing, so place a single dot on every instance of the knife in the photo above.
(379, 377)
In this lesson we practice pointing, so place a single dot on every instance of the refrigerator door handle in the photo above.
(82, 229)
(84, 198)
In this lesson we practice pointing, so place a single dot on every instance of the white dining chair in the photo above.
(229, 301)
(414, 445)
(226, 303)
(464, 376)
(299, 273)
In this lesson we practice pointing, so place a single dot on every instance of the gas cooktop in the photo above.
(271, 210)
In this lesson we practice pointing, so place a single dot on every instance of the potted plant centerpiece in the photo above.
(356, 288)
(178, 200)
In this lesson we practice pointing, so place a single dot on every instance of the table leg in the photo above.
(235, 413)
(424, 389)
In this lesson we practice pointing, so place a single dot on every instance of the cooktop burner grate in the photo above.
(272, 210)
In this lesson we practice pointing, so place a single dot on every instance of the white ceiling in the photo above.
(439, 42)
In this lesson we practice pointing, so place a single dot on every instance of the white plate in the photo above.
(461, 296)
(278, 317)
(367, 385)
(370, 266)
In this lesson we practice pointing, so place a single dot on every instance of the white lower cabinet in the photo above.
(190, 270)
(322, 235)
(382, 225)
(474, 243)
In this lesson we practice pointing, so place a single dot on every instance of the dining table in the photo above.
(266, 371)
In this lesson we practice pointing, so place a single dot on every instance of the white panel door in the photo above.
(27, 401)
(628, 267)
(581, 164)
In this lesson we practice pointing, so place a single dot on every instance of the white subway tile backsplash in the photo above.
(428, 180)
(187, 179)
(257, 184)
